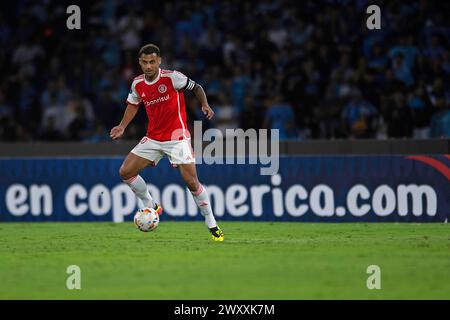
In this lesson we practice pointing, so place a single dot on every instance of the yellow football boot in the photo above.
(216, 234)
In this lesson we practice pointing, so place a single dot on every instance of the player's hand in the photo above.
(208, 112)
(117, 132)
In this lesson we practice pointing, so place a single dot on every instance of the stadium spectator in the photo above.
(398, 117)
(440, 123)
(280, 115)
(50, 132)
(79, 126)
(358, 115)
(402, 70)
(420, 112)
(5, 109)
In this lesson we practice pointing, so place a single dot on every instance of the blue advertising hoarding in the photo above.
(306, 189)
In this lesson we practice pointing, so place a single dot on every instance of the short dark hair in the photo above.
(149, 49)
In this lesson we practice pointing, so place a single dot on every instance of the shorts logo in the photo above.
(162, 88)
(144, 139)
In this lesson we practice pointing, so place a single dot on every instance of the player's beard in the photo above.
(149, 75)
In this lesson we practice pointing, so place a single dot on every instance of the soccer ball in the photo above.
(146, 219)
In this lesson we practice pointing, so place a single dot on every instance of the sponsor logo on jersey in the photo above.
(158, 100)
(162, 88)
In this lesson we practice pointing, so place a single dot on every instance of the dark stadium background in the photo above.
(309, 68)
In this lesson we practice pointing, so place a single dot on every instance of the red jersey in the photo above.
(164, 103)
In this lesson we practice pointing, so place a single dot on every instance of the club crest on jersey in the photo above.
(162, 88)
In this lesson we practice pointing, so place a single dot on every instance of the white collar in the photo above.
(156, 79)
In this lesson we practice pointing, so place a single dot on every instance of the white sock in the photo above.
(202, 200)
(137, 184)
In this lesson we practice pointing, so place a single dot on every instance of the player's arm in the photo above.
(130, 113)
(201, 96)
(181, 82)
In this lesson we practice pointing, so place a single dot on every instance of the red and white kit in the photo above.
(164, 103)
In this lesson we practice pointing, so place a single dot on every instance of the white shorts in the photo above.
(178, 151)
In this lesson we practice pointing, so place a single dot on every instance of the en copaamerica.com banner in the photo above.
(306, 188)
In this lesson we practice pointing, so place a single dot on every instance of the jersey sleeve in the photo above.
(181, 82)
(133, 97)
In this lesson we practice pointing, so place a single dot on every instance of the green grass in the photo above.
(257, 261)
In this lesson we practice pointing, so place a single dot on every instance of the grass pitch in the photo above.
(257, 260)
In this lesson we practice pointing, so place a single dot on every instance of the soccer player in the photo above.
(161, 92)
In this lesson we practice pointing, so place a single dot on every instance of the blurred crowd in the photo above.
(311, 69)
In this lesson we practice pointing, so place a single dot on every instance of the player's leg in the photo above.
(129, 172)
(145, 153)
(132, 165)
(188, 172)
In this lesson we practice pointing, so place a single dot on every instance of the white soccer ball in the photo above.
(146, 219)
